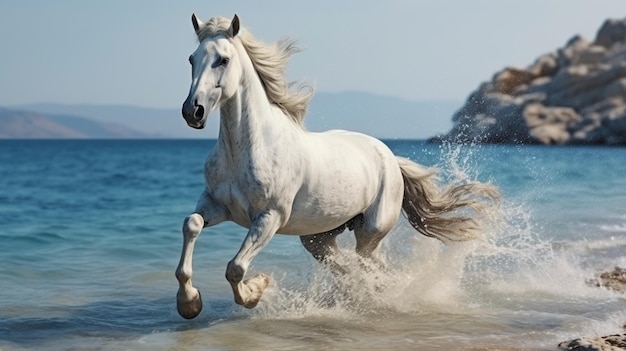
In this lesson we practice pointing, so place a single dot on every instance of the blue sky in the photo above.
(135, 52)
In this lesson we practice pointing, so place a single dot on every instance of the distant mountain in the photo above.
(381, 116)
(27, 124)
(165, 123)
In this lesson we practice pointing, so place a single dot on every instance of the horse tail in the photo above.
(448, 214)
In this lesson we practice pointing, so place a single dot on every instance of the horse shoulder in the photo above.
(266, 178)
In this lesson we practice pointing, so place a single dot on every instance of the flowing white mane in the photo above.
(270, 62)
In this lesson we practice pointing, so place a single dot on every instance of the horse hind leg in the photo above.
(324, 248)
(376, 223)
(367, 242)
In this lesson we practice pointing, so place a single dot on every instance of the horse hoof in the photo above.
(189, 308)
(256, 286)
(263, 280)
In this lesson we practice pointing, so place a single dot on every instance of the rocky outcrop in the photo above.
(603, 343)
(576, 95)
(614, 280)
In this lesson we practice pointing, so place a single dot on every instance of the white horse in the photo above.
(268, 174)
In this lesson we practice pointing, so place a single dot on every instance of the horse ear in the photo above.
(234, 26)
(197, 24)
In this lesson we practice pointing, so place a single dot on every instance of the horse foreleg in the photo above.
(208, 213)
(188, 300)
(248, 293)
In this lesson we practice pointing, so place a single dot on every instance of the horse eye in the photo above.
(220, 61)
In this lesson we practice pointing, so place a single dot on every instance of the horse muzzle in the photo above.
(194, 113)
(197, 107)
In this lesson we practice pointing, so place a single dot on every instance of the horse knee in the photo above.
(192, 226)
(234, 272)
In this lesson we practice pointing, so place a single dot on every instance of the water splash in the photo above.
(419, 273)
(518, 280)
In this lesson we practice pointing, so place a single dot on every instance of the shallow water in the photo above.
(90, 234)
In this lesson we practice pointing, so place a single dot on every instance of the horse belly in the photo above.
(313, 223)
(332, 201)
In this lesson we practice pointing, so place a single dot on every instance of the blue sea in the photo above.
(90, 236)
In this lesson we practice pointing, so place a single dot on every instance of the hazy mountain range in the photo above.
(381, 116)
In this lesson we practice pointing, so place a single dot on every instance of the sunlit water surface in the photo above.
(90, 237)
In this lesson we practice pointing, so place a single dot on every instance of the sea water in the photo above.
(90, 238)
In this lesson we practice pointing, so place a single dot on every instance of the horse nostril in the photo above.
(199, 112)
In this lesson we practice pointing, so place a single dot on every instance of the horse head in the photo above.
(216, 70)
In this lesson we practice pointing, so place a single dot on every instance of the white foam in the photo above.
(614, 228)
(515, 269)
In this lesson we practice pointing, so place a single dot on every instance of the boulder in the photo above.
(614, 280)
(575, 95)
(612, 31)
(508, 80)
(615, 342)
(550, 125)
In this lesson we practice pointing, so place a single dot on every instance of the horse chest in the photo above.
(244, 191)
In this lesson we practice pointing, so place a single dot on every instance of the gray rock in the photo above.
(575, 95)
(550, 125)
(545, 65)
(614, 280)
(604, 343)
(611, 32)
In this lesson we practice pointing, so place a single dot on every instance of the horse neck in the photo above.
(248, 118)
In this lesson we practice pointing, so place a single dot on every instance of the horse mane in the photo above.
(270, 62)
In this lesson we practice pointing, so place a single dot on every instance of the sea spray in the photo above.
(516, 276)
(418, 273)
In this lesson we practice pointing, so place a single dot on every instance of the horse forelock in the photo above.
(270, 62)
(214, 27)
